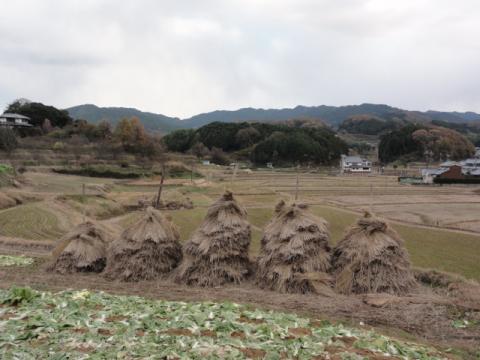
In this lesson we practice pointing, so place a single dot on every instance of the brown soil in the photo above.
(238, 334)
(178, 332)
(208, 333)
(253, 353)
(425, 316)
(299, 332)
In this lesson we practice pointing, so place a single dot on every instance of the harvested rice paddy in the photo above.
(31, 221)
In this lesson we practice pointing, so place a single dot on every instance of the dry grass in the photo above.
(61, 184)
(95, 206)
(31, 221)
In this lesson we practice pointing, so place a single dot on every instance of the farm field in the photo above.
(340, 200)
(448, 244)
(77, 324)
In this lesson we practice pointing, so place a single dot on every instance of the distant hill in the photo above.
(151, 121)
(453, 117)
(331, 115)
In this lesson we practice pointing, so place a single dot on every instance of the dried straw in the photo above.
(371, 258)
(146, 250)
(81, 250)
(295, 254)
(217, 253)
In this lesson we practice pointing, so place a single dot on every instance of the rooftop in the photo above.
(433, 171)
(14, 116)
(354, 159)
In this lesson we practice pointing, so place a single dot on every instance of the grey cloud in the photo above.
(186, 57)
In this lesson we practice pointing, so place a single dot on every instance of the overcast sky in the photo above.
(180, 57)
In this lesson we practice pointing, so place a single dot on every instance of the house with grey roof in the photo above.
(355, 164)
(468, 168)
(14, 120)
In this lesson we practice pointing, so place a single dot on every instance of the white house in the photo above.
(355, 164)
(14, 120)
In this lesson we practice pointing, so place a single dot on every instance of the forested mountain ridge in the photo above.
(151, 121)
(331, 115)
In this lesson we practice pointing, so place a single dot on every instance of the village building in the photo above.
(14, 120)
(469, 168)
(355, 164)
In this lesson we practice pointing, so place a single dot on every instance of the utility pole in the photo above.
(297, 184)
(234, 173)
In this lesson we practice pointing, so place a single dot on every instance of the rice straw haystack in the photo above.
(146, 250)
(81, 250)
(217, 252)
(295, 254)
(371, 258)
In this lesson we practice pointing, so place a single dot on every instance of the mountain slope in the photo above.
(332, 115)
(151, 121)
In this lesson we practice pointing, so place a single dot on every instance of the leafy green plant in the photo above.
(84, 324)
(17, 295)
(4, 169)
(10, 260)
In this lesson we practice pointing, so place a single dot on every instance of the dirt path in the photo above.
(17, 246)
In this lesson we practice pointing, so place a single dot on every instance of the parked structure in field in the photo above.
(14, 120)
(355, 164)
(465, 169)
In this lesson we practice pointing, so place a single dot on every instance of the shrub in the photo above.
(8, 140)
(219, 157)
(4, 169)
(58, 146)
(102, 172)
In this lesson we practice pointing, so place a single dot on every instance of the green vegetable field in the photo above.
(10, 260)
(83, 324)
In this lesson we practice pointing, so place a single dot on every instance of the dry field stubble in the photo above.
(338, 199)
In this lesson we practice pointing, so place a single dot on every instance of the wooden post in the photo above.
(191, 174)
(234, 174)
(296, 186)
(160, 186)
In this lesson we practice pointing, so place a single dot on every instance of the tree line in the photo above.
(260, 142)
(416, 142)
(370, 125)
